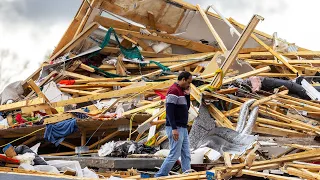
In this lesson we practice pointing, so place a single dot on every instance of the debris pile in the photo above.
(255, 103)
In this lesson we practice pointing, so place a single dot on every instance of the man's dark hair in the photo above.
(186, 75)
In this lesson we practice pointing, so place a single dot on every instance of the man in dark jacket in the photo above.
(177, 110)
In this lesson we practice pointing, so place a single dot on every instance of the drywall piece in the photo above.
(52, 92)
(310, 90)
(152, 130)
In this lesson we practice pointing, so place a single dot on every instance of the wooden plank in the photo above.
(75, 91)
(86, 67)
(236, 48)
(293, 55)
(143, 108)
(301, 100)
(105, 139)
(299, 173)
(142, 44)
(137, 66)
(268, 98)
(217, 114)
(76, 75)
(72, 44)
(178, 58)
(111, 94)
(20, 104)
(278, 124)
(196, 46)
(265, 175)
(69, 145)
(30, 109)
(113, 50)
(93, 5)
(58, 118)
(69, 33)
(172, 68)
(246, 75)
(211, 28)
(227, 159)
(107, 23)
(278, 116)
(40, 94)
(258, 102)
(83, 81)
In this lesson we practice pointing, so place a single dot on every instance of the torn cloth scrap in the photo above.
(55, 133)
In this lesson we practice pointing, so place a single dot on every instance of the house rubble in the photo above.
(95, 109)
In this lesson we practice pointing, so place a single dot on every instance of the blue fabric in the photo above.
(55, 133)
(177, 149)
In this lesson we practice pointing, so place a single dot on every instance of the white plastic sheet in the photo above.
(106, 149)
(26, 158)
(46, 168)
(66, 165)
(89, 174)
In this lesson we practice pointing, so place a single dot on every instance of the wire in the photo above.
(23, 137)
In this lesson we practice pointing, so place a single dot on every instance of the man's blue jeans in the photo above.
(177, 149)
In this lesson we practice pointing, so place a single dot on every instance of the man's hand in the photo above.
(187, 91)
(175, 134)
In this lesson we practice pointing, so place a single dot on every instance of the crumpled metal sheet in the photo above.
(204, 133)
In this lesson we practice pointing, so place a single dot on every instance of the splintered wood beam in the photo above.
(236, 48)
(211, 28)
(75, 91)
(172, 68)
(107, 23)
(20, 104)
(274, 53)
(58, 118)
(36, 89)
(93, 4)
(105, 139)
(246, 75)
(143, 108)
(72, 44)
(86, 67)
(152, 21)
(166, 38)
(69, 33)
(300, 173)
(84, 81)
(30, 109)
(142, 44)
(265, 175)
(113, 50)
(76, 75)
(217, 114)
(111, 94)
(178, 58)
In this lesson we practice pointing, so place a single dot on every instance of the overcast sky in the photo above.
(29, 29)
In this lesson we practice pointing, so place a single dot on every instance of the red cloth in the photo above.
(19, 119)
(67, 82)
(160, 94)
